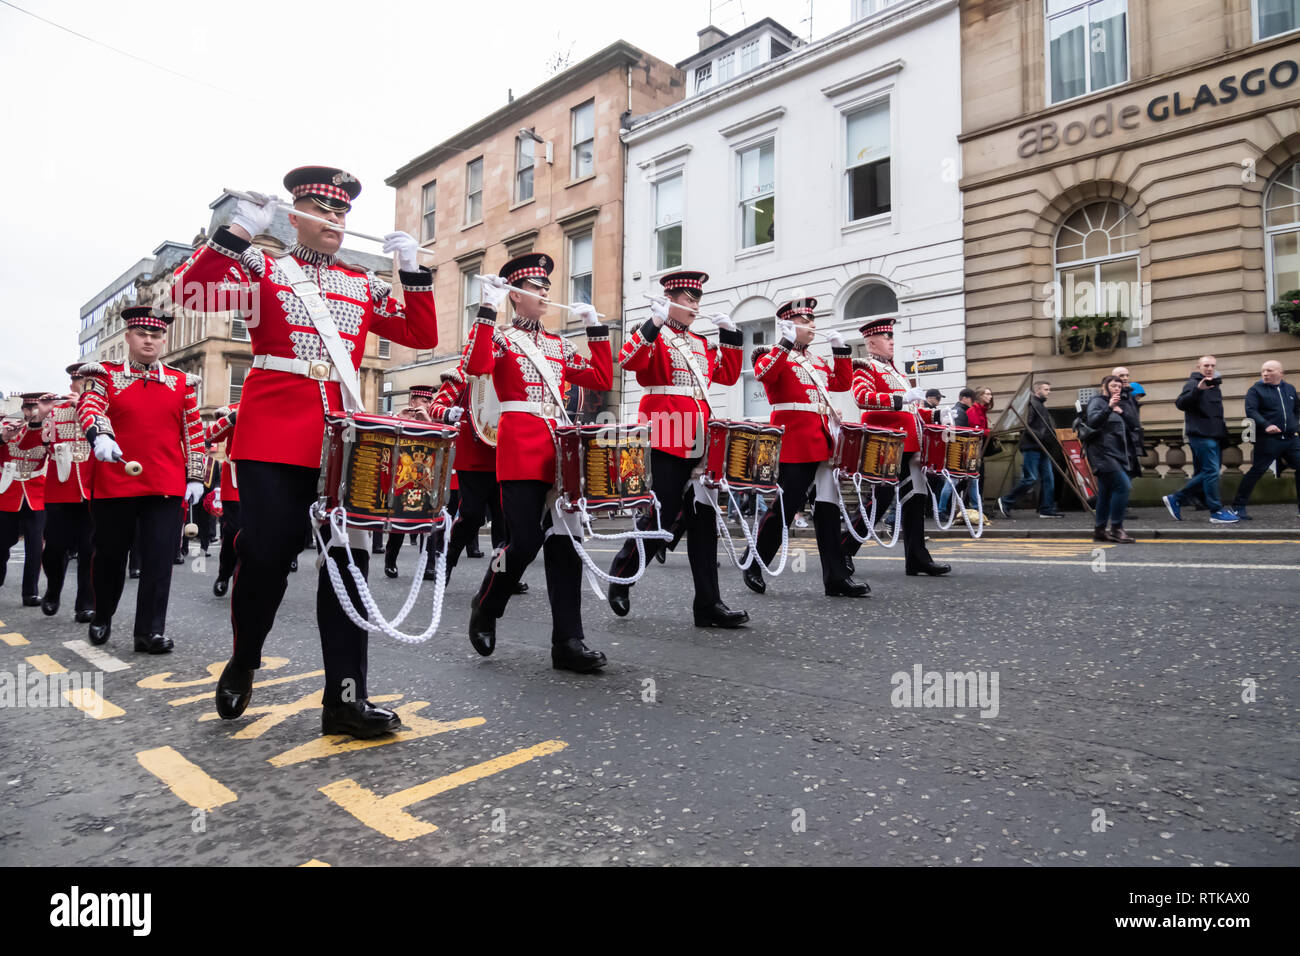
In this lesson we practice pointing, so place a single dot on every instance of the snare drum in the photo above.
(874, 453)
(952, 448)
(603, 465)
(746, 454)
(389, 474)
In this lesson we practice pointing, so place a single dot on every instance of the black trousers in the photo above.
(913, 530)
(523, 503)
(796, 479)
(227, 558)
(1267, 450)
(274, 499)
(670, 479)
(480, 496)
(31, 525)
(115, 520)
(67, 531)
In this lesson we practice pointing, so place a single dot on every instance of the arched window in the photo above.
(872, 299)
(1097, 269)
(1282, 225)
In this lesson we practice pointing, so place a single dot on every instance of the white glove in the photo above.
(724, 322)
(588, 315)
(836, 340)
(404, 244)
(916, 394)
(106, 449)
(492, 292)
(453, 414)
(659, 310)
(254, 216)
(193, 492)
(785, 329)
(945, 416)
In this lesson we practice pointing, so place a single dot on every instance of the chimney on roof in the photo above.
(709, 36)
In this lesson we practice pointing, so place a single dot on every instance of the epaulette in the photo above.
(758, 353)
(864, 364)
(93, 368)
(192, 380)
(453, 375)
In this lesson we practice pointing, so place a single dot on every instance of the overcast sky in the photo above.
(103, 156)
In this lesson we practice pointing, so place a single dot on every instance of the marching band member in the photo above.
(146, 411)
(67, 512)
(798, 386)
(222, 429)
(530, 368)
(22, 493)
(675, 367)
(889, 401)
(312, 317)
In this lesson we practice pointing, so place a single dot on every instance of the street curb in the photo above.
(1172, 534)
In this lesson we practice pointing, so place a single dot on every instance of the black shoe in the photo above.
(848, 588)
(50, 607)
(474, 552)
(357, 719)
(719, 615)
(753, 575)
(99, 631)
(31, 600)
(390, 570)
(154, 644)
(1051, 514)
(133, 574)
(234, 690)
(932, 568)
(482, 628)
(84, 617)
(661, 554)
(179, 559)
(430, 572)
(620, 599)
(520, 588)
(1240, 512)
(220, 586)
(574, 655)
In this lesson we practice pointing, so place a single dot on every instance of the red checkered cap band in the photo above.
(878, 325)
(148, 322)
(321, 189)
(419, 391)
(532, 272)
(672, 285)
(799, 311)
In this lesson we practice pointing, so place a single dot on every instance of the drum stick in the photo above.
(132, 468)
(306, 215)
(558, 305)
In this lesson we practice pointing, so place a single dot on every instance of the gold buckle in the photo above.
(319, 371)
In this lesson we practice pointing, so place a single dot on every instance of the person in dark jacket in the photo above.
(1128, 404)
(1110, 453)
(1036, 455)
(968, 487)
(1201, 402)
(1273, 405)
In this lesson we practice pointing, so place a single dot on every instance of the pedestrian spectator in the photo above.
(1201, 402)
(933, 397)
(1132, 410)
(967, 487)
(1274, 407)
(1110, 453)
(978, 416)
(1035, 443)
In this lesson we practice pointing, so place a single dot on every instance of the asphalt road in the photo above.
(1125, 729)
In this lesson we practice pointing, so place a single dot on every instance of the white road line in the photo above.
(101, 659)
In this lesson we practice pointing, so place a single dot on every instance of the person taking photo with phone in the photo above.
(1201, 402)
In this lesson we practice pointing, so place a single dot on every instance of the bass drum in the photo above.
(484, 409)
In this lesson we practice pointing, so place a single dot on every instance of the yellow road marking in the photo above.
(312, 862)
(13, 638)
(257, 684)
(388, 815)
(46, 664)
(275, 714)
(92, 705)
(186, 780)
(341, 743)
(162, 682)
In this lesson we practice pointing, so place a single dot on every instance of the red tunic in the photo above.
(676, 420)
(472, 452)
(283, 413)
(878, 388)
(526, 442)
(62, 427)
(26, 448)
(787, 380)
(153, 415)
(223, 429)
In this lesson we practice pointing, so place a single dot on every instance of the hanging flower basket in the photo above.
(1073, 336)
(1287, 310)
(1106, 333)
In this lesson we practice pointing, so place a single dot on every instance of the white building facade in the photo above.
(830, 170)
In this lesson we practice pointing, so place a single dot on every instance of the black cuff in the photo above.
(597, 332)
(649, 331)
(420, 280)
(33, 426)
(91, 434)
(842, 352)
(736, 338)
(898, 401)
(227, 239)
(488, 313)
(785, 344)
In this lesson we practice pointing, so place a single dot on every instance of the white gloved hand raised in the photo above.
(254, 215)
(916, 394)
(193, 492)
(588, 315)
(492, 292)
(659, 310)
(404, 244)
(723, 321)
(106, 449)
(836, 340)
(785, 329)
(453, 414)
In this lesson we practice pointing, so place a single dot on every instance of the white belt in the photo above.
(817, 407)
(690, 391)
(540, 409)
(321, 371)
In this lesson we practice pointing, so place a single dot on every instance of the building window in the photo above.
(866, 8)
(870, 300)
(580, 268)
(668, 223)
(757, 195)
(385, 348)
(237, 375)
(430, 211)
(703, 77)
(726, 66)
(867, 166)
(1087, 46)
(524, 168)
(1282, 225)
(469, 295)
(238, 330)
(1097, 270)
(754, 334)
(1276, 16)
(584, 140)
(749, 56)
(474, 192)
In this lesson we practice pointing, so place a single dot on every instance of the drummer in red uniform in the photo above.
(530, 367)
(309, 316)
(888, 400)
(675, 367)
(67, 509)
(139, 410)
(222, 430)
(22, 492)
(798, 386)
